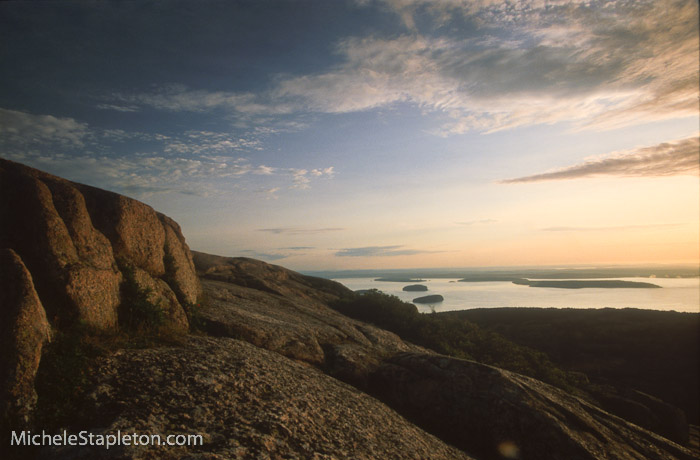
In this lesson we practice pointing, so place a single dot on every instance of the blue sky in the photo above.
(373, 134)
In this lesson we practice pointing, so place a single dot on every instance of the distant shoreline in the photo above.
(674, 294)
(583, 284)
(511, 273)
(399, 279)
(565, 284)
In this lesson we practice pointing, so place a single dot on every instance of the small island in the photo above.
(581, 284)
(415, 287)
(429, 299)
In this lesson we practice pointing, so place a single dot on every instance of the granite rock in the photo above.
(247, 403)
(24, 330)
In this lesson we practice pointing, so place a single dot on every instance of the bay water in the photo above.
(679, 294)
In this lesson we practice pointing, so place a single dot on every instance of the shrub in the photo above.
(194, 315)
(137, 312)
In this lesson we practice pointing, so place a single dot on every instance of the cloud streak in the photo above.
(299, 230)
(476, 222)
(143, 175)
(25, 129)
(378, 251)
(302, 177)
(676, 158)
(271, 256)
(610, 228)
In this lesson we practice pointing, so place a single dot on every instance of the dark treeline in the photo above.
(607, 356)
(456, 337)
(656, 352)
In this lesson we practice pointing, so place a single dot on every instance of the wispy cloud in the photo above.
(270, 256)
(193, 162)
(24, 130)
(299, 230)
(270, 193)
(680, 157)
(470, 223)
(378, 251)
(118, 108)
(302, 177)
(277, 254)
(208, 142)
(180, 98)
(610, 228)
(146, 174)
(264, 170)
(593, 64)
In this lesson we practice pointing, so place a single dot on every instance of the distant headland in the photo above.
(582, 284)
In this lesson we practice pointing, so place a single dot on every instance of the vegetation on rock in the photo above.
(458, 338)
(652, 351)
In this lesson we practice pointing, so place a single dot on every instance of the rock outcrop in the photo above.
(64, 248)
(75, 241)
(23, 332)
(262, 276)
(286, 312)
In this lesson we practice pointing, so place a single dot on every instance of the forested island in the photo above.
(415, 288)
(582, 284)
(429, 299)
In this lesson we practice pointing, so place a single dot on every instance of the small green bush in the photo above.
(194, 315)
(137, 311)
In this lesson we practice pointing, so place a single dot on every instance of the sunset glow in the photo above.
(374, 133)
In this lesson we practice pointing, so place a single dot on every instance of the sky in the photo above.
(373, 134)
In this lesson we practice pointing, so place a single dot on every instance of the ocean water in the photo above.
(679, 294)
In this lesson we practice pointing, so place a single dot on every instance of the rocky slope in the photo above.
(287, 313)
(273, 373)
(487, 412)
(247, 403)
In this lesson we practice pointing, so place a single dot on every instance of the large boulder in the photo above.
(133, 228)
(76, 240)
(24, 330)
(66, 274)
(179, 266)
